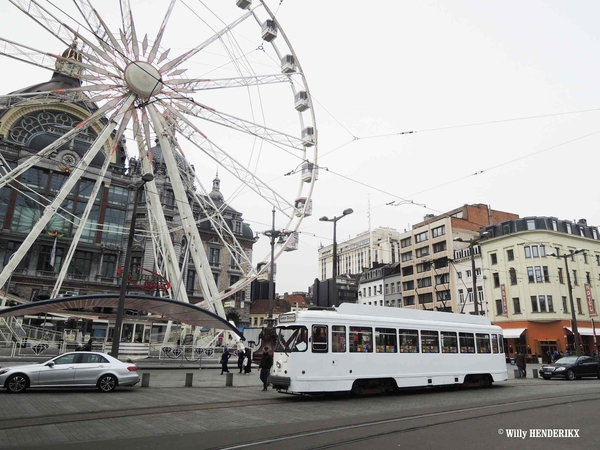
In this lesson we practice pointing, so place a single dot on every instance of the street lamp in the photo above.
(334, 220)
(273, 234)
(125, 272)
(472, 242)
(570, 286)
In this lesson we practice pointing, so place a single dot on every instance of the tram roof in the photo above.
(160, 309)
(404, 313)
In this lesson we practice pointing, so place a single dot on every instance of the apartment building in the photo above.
(429, 276)
(528, 266)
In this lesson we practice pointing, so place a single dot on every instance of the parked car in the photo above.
(74, 369)
(571, 367)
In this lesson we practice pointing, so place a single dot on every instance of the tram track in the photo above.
(39, 420)
(21, 422)
(476, 411)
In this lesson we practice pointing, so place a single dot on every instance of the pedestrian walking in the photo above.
(521, 364)
(266, 363)
(224, 359)
(247, 360)
(240, 361)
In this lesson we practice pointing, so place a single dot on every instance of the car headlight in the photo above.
(3, 371)
(278, 364)
(560, 369)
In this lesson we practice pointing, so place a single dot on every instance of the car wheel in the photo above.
(598, 375)
(107, 383)
(570, 375)
(17, 383)
(545, 377)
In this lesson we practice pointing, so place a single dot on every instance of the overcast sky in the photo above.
(500, 99)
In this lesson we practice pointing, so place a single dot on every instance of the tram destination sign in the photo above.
(287, 318)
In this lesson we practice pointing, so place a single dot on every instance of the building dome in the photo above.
(215, 194)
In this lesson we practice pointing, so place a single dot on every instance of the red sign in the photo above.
(504, 305)
(151, 282)
(590, 300)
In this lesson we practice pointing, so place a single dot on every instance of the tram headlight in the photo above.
(278, 364)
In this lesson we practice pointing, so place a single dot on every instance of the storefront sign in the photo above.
(146, 280)
(590, 300)
(504, 305)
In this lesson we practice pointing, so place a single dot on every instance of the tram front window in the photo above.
(292, 339)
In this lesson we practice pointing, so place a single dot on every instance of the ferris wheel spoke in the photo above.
(88, 13)
(212, 213)
(201, 142)
(207, 113)
(6, 101)
(76, 174)
(47, 60)
(97, 26)
(203, 84)
(82, 220)
(109, 58)
(156, 46)
(135, 48)
(52, 24)
(48, 150)
(173, 64)
(127, 22)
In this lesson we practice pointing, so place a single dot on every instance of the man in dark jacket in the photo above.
(521, 364)
(266, 363)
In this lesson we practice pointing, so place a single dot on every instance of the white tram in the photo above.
(358, 348)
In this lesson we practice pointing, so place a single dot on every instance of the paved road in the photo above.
(146, 417)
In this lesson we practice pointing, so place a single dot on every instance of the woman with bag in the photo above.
(247, 360)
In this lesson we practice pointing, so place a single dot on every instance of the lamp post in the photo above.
(125, 272)
(334, 220)
(472, 242)
(273, 234)
(570, 287)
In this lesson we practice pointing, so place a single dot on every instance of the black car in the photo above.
(571, 367)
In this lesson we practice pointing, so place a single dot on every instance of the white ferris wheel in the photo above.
(216, 83)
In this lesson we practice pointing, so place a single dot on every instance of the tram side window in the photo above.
(385, 340)
(495, 348)
(408, 341)
(361, 340)
(449, 342)
(483, 343)
(319, 338)
(467, 342)
(338, 339)
(430, 341)
(501, 343)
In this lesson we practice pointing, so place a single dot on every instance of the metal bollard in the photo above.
(517, 374)
(189, 377)
(145, 380)
(229, 379)
(535, 373)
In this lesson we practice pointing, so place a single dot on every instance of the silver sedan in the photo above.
(75, 369)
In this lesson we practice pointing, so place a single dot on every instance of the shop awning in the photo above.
(512, 333)
(584, 331)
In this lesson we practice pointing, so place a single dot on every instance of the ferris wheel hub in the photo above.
(143, 79)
